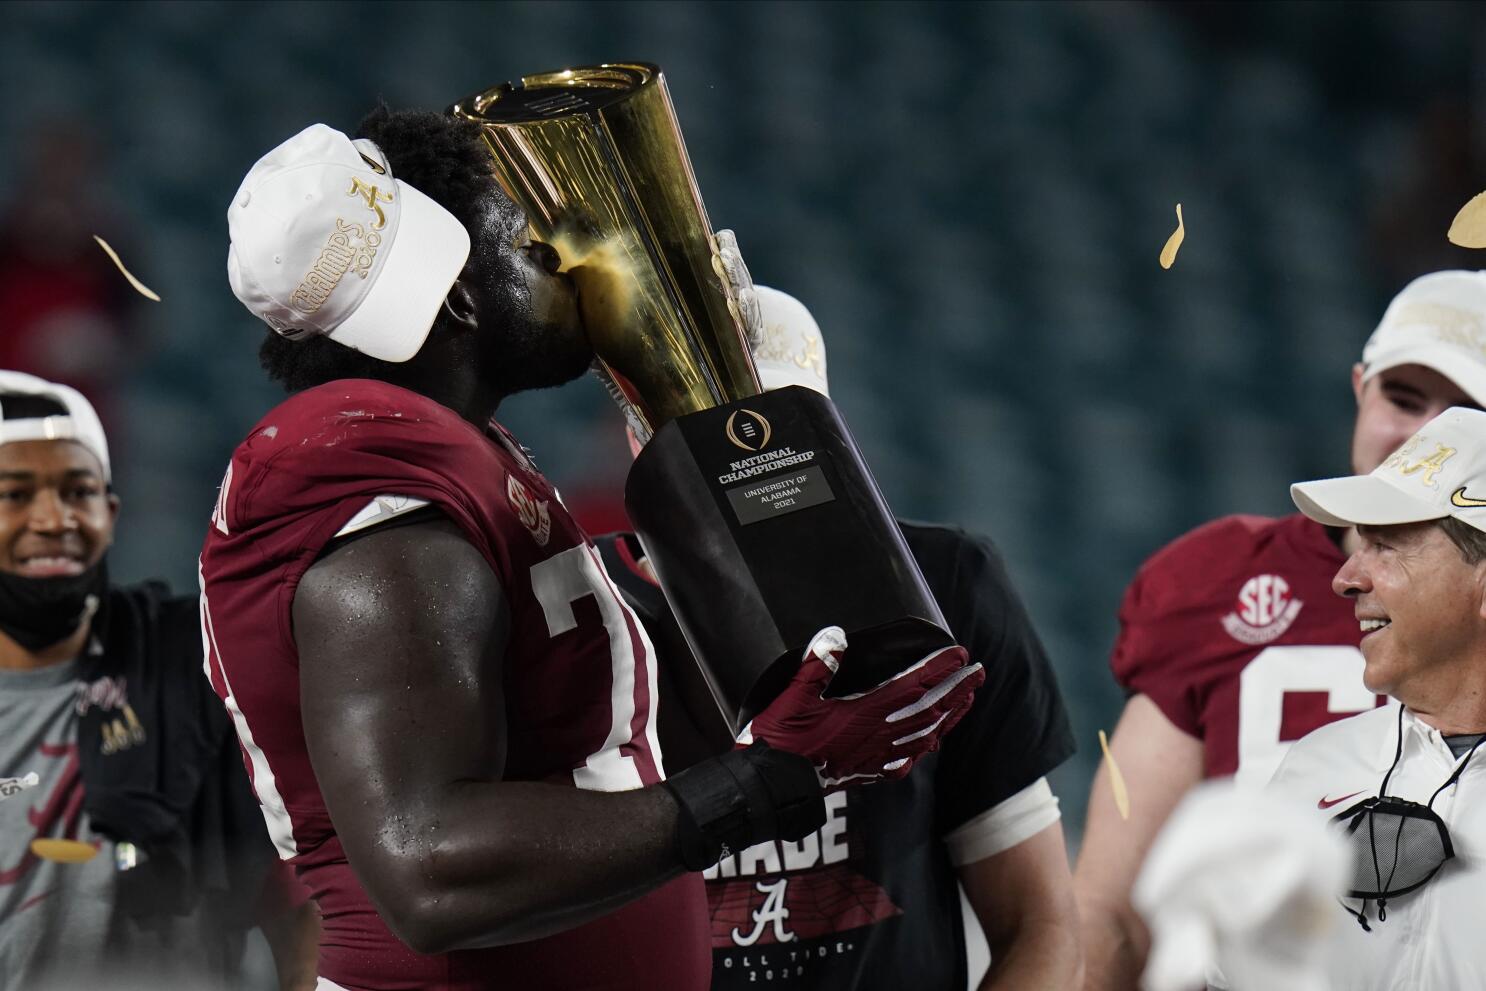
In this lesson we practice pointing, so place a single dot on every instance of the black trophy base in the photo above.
(765, 526)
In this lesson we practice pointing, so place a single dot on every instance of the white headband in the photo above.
(78, 423)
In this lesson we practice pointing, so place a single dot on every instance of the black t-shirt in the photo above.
(870, 901)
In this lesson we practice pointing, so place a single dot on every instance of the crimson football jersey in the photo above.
(579, 685)
(1234, 632)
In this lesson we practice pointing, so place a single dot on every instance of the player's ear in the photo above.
(1357, 371)
(1481, 590)
(459, 306)
(113, 514)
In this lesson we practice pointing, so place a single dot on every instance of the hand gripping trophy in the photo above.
(756, 509)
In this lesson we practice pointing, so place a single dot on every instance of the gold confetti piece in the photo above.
(1468, 229)
(113, 255)
(1116, 779)
(64, 851)
(1168, 253)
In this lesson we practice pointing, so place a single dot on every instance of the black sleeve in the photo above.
(231, 852)
(177, 789)
(1017, 729)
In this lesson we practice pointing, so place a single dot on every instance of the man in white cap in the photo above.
(445, 707)
(1231, 645)
(892, 858)
(1405, 782)
(129, 842)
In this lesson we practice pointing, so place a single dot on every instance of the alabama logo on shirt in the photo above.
(1265, 610)
(57, 816)
(778, 907)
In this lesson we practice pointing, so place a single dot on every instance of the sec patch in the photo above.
(1264, 611)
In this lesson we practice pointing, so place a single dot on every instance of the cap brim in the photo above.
(777, 374)
(1451, 362)
(1360, 499)
(424, 258)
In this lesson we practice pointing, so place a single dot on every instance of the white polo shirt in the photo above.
(1433, 937)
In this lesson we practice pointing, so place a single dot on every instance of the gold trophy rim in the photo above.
(620, 77)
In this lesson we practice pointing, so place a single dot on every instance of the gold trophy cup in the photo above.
(595, 158)
(756, 509)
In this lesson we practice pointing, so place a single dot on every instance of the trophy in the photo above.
(755, 508)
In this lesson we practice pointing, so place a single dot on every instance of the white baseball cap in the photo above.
(325, 240)
(32, 408)
(1438, 472)
(790, 349)
(1439, 321)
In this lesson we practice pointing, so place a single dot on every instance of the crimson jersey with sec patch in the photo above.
(579, 684)
(1234, 633)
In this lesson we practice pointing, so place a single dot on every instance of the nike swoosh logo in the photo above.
(1463, 501)
(1327, 803)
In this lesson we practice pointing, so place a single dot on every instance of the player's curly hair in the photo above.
(440, 156)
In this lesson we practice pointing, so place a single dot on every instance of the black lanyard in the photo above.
(1398, 752)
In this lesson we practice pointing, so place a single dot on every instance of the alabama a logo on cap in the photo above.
(1414, 459)
(1265, 610)
(532, 513)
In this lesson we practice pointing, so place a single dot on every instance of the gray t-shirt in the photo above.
(58, 924)
(1462, 744)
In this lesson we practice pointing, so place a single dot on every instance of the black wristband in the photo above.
(743, 797)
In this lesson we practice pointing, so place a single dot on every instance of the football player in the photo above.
(871, 900)
(446, 708)
(1231, 643)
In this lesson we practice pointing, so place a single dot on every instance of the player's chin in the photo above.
(570, 365)
(557, 321)
(571, 355)
(556, 309)
(546, 371)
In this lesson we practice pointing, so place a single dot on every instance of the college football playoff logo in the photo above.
(1265, 610)
(749, 430)
(532, 514)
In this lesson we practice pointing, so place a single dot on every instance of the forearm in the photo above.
(293, 936)
(1115, 946)
(1045, 953)
(1023, 899)
(489, 863)
(1166, 762)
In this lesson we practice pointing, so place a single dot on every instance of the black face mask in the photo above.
(1398, 846)
(38, 612)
